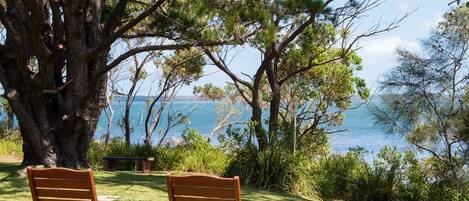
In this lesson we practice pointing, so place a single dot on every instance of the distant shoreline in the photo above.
(195, 98)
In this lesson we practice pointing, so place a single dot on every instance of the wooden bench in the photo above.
(61, 184)
(146, 162)
(202, 188)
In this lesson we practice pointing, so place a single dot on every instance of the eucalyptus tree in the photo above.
(427, 97)
(317, 99)
(137, 74)
(293, 38)
(113, 81)
(177, 70)
(56, 53)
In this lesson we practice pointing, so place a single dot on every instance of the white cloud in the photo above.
(379, 56)
(385, 46)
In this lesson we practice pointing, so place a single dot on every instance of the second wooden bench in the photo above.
(146, 162)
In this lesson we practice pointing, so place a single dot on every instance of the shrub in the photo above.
(200, 155)
(96, 152)
(332, 174)
(376, 182)
(273, 169)
(11, 144)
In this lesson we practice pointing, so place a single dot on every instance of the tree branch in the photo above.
(237, 81)
(137, 50)
(295, 34)
(116, 17)
(121, 31)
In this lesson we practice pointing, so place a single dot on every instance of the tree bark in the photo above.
(271, 72)
(256, 119)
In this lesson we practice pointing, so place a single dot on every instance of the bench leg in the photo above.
(146, 166)
(110, 164)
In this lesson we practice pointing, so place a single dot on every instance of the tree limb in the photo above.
(137, 50)
(121, 31)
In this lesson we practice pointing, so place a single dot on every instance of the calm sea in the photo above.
(361, 130)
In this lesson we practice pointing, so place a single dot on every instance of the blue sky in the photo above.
(378, 52)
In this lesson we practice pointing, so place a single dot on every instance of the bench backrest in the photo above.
(203, 187)
(61, 183)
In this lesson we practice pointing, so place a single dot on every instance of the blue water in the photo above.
(359, 123)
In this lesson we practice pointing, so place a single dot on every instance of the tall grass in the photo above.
(273, 169)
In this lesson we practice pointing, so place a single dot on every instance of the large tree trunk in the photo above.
(50, 138)
(57, 112)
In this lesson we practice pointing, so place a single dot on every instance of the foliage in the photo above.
(314, 142)
(376, 182)
(200, 156)
(332, 174)
(6, 116)
(307, 64)
(274, 169)
(209, 92)
(278, 167)
(392, 176)
(11, 144)
(428, 100)
(195, 154)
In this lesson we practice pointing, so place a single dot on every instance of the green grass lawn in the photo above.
(126, 185)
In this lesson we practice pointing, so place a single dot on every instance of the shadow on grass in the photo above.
(157, 181)
(253, 194)
(10, 183)
(130, 179)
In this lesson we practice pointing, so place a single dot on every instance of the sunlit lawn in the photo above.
(126, 185)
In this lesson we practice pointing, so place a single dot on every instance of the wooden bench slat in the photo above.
(203, 187)
(60, 173)
(129, 158)
(53, 184)
(63, 193)
(62, 199)
(199, 180)
(177, 198)
(203, 192)
(62, 183)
